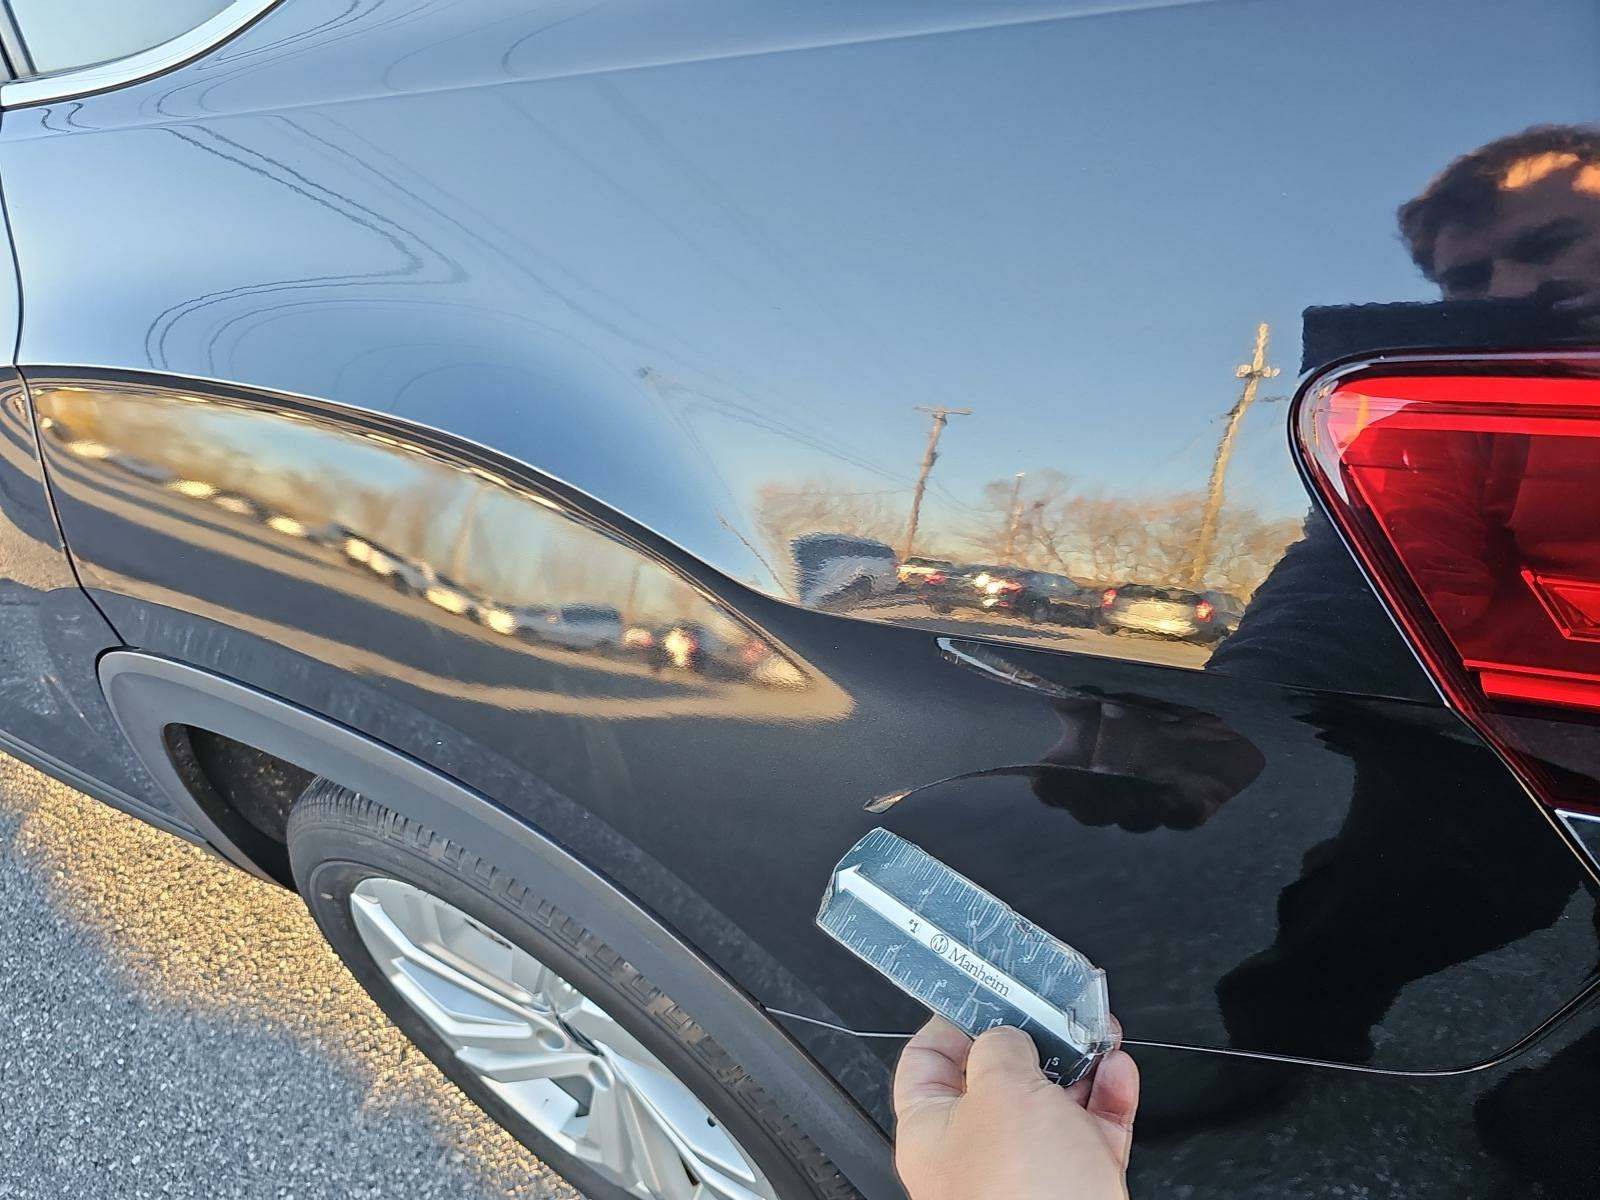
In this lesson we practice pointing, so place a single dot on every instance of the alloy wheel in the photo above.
(559, 1060)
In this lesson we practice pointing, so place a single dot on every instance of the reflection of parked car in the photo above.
(837, 568)
(1037, 595)
(498, 618)
(1169, 612)
(963, 586)
(403, 574)
(730, 651)
(685, 645)
(638, 637)
(148, 471)
(575, 626)
(446, 593)
(925, 572)
(239, 505)
(693, 645)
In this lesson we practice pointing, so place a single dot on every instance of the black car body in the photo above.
(619, 304)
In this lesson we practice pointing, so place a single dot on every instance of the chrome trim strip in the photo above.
(18, 61)
(101, 77)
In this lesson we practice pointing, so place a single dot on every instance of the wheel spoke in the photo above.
(661, 1164)
(522, 1065)
(608, 1136)
(452, 1000)
(563, 1063)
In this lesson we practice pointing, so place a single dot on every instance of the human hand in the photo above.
(979, 1119)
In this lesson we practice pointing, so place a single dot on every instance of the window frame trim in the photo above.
(133, 68)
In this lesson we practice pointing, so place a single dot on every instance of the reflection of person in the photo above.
(1160, 764)
(979, 1119)
(1516, 220)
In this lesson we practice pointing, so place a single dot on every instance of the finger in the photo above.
(932, 1066)
(1114, 1099)
(1003, 1057)
(1078, 1092)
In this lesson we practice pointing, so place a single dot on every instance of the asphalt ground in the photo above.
(172, 1027)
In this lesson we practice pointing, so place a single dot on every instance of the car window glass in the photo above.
(61, 34)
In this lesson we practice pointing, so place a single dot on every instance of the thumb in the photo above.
(1003, 1057)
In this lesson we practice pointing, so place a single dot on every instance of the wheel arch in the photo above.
(151, 695)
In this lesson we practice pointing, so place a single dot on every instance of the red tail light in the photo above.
(1108, 597)
(1203, 611)
(1009, 586)
(935, 577)
(1474, 502)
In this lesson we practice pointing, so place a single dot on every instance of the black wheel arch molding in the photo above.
(149, 695)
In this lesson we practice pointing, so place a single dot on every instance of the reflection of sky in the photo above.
(673, 282)
(1088, 286)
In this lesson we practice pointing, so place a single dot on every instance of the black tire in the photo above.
(338, 838)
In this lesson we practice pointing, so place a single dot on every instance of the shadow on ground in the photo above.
(170, 1026)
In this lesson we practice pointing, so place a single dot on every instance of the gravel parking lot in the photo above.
(172, 1027)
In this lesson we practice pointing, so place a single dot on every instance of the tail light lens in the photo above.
(1474, 502)
(1008, 586)
(936, 577)
(1108, 597)
(1203, 611)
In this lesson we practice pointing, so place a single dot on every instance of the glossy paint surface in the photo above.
(711, 271)
(50, 634)
(289, 545)
(414, 326)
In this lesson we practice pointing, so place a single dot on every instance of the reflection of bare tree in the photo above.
(1105, 537)
(1024, 517)
(785, 511)
(407, 520)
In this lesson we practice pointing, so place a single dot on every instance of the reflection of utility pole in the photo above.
(463, 542)
(941, 417)
(633, 592)
(1015, 519)
(1252, 372)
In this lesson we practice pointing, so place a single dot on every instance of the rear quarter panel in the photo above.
(687, 281)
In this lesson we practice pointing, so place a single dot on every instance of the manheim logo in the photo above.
(964, 960)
